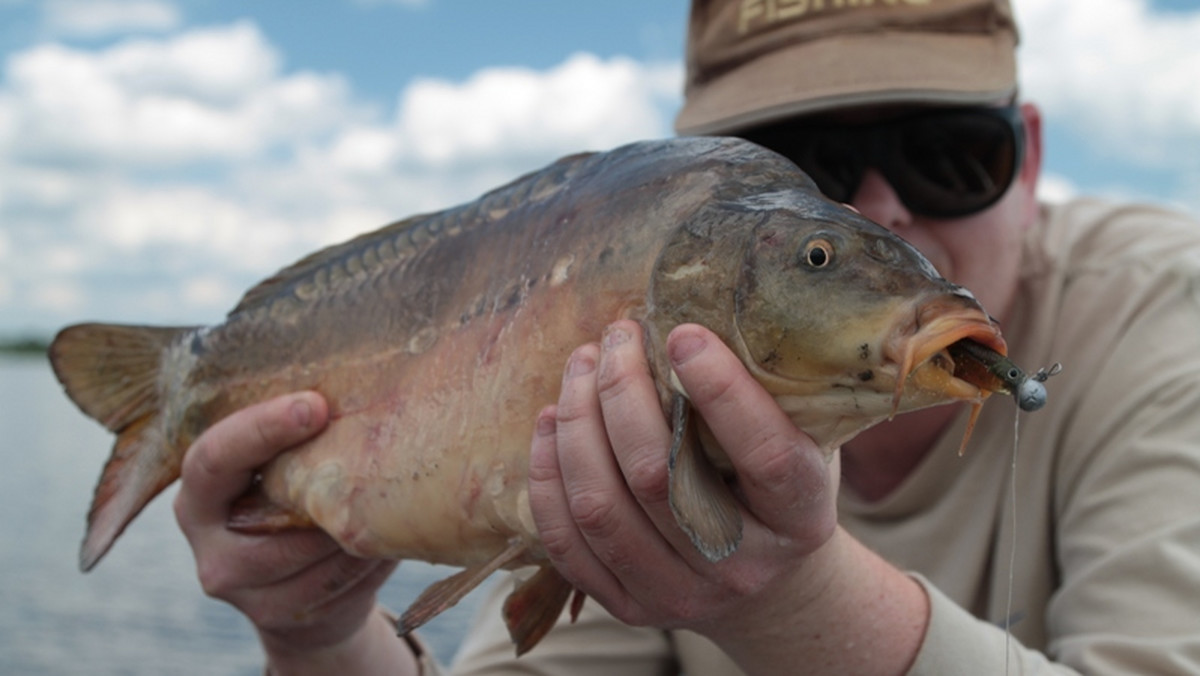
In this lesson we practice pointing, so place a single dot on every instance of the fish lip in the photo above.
(938, 325)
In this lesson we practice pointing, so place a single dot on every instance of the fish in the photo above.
(437, 340)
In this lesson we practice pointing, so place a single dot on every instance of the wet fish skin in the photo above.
(437, 339)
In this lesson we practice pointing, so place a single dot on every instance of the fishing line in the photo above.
(1012, 545)
(1030, 395)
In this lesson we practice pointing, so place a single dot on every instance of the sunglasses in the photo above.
(944, 163)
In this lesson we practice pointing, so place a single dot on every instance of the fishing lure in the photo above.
(1029, 391)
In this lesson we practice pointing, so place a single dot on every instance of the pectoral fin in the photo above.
(701, 501)
(443, 594)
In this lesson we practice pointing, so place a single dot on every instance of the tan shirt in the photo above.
(1107, 526)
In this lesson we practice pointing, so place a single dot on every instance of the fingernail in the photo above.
(685, 347)
(615, 336)
(580, 364)
(301, 412)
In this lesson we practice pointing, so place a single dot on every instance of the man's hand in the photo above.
(311, 602)
(599, 475)
(599, 493)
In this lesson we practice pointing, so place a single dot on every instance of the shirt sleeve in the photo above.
(958, 643)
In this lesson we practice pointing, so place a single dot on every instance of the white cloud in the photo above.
(450, 141)
(42, 188)
(132, 220)
(1055, 188)
(503, 112)
(209, 290)
(1121, 72)
(63, 258)
(59, 295)
(220, 65)
(96, 18)
(155, 178)
(95, 147)
(363, 151)
(6, 291)
(6, 285)
(208, 94)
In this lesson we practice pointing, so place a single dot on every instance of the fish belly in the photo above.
(426, 454)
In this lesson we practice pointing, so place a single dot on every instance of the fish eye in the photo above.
(818, 253)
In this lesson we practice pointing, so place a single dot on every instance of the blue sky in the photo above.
(157, 157)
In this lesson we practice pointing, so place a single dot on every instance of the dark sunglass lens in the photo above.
(953, 164)
(836, 163)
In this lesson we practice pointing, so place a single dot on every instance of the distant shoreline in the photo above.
(24, 347)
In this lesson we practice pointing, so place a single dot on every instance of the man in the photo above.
(895, 557)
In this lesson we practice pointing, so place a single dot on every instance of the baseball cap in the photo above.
(753, 62)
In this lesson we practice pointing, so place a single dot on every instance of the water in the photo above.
(141, 610)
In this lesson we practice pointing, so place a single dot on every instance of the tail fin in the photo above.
(112, 373)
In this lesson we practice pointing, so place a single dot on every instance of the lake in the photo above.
(141, 610)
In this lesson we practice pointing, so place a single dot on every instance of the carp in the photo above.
(436, 341)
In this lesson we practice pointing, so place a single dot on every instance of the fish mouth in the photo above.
(948, 358)
(930, 363)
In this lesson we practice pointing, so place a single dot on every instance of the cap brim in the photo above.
(892, 67)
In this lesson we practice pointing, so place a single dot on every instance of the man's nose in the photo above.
(877, 200)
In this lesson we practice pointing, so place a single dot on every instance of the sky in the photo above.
(159, 157)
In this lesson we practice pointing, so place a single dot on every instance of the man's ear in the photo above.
(1031, 168)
